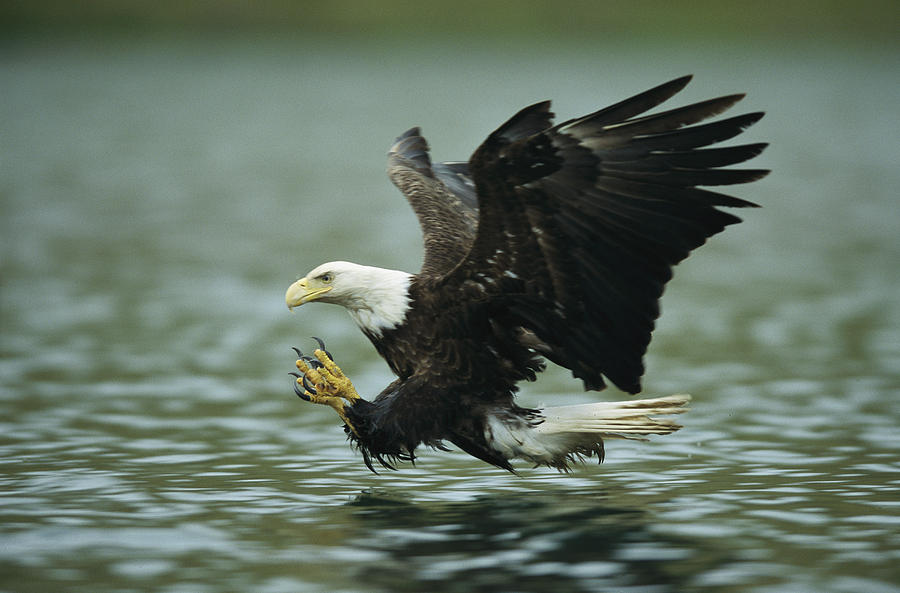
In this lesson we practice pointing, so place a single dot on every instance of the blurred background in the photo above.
(167, 169)
(794, 20)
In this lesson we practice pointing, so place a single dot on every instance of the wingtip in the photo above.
(681, 81)
(733, 98)
(754, 117)
(671, 88)
(414, 131)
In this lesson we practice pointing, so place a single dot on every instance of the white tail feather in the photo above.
(565, 433)
(629, 419)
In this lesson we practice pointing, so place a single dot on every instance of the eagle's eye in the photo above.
(326, 277)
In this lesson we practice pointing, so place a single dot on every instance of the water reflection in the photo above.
(566, 540)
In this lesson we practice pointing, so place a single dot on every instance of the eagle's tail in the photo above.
(569, 433)
(560, 435)
(629, 419)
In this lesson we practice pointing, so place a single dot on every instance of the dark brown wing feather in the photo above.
(442, 196)
(579, 224)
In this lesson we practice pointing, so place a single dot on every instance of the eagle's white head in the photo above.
(376, 298)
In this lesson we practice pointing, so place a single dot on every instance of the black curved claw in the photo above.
(311, 362)
(298, 351)
(322, 347)
(307, 384)
(299, 393)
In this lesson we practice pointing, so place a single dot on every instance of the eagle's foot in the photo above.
(321, 378)
(321, 381)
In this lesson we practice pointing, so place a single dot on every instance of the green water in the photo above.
(158, 196)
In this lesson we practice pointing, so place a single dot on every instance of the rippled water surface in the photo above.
(158, 197)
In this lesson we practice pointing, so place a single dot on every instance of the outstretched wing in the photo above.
(580, 223)
(443, 198)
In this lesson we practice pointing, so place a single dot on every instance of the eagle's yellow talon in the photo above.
(336, 381)
(328, 363)
(331, 386)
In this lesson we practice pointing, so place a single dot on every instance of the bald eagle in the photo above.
(554, 241)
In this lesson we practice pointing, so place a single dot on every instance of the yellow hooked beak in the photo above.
(303, 291)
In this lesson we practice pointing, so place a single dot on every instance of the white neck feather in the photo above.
(381, 299)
